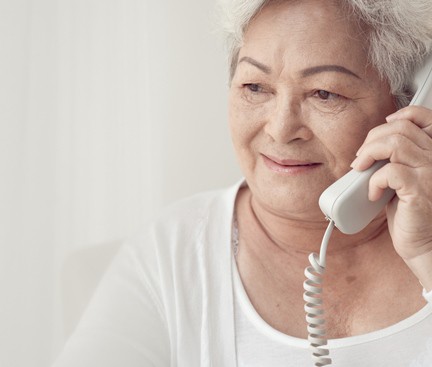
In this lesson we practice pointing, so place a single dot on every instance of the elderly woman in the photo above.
(316, 87)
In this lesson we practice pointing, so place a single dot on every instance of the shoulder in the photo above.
(182, 226)
(188, 243)
(192, 214)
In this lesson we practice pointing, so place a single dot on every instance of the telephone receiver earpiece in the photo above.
(346, 201)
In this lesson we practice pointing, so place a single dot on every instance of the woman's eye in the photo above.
(325, 95)
(256, 93)
(328, 101)
(255, 88)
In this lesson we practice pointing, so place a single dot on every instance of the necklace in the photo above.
(235, 236)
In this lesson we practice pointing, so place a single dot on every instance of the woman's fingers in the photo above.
(418, 115)
(405, 139)
(398, 177)
(403, 128)
(396, 148)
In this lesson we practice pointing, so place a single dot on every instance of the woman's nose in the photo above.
(286, 123)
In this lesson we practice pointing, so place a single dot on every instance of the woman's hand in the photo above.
(406, 140)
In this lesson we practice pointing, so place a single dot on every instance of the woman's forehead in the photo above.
(304, 31)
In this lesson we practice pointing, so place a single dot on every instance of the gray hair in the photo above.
(400, 35)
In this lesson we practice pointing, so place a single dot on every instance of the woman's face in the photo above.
(301, 103)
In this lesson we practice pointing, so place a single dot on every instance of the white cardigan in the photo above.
(167, 299)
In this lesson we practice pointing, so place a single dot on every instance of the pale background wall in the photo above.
(109, 110)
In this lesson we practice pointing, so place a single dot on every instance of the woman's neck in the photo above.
(290, 234)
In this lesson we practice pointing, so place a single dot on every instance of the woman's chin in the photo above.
(301, 205)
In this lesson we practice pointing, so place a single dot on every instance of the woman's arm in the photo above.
(124, 324)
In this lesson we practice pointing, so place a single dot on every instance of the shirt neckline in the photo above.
(262, 326)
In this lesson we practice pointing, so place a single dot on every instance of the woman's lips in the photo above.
(289, 166)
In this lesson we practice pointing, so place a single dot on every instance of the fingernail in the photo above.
(391, 117)
(354, 163)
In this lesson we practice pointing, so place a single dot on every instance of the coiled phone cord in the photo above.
(313, 298)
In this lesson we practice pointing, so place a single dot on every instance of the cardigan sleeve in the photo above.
(124, 324)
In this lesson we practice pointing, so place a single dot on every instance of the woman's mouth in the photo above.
(289, 166)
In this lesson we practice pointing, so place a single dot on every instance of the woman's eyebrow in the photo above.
(326, 68)
(305, 72)
(264, 68)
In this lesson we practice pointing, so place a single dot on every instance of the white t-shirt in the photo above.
(168, 300)
(406, 344)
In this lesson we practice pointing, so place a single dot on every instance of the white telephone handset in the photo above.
(346, 201)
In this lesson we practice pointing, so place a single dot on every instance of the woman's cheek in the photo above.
(246, 118)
